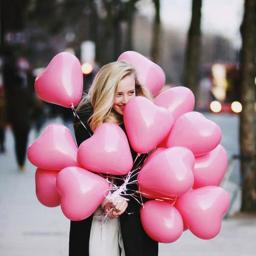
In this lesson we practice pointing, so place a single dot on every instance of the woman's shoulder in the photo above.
(84, 113)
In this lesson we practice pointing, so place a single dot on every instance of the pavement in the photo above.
(28, 228)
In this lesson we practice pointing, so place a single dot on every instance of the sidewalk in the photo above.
(31, 229)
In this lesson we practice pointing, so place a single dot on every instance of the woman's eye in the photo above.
(131, 92)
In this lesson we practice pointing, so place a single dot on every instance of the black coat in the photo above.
(136, 242)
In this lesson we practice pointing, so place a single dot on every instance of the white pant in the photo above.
(105, 236)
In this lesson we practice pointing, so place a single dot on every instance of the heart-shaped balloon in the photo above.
(107, 151)
(61, 83)
(81, 192)
(178, 100)
(210, 169)
(46, 190)
(153, 154)
(149, 73)
(161, 221)
(203, 209)
(195, 132)
(168, 174)
(146, 124)
(55, 149)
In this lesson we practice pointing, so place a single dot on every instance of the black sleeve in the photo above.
(79, 234)
(82, 133)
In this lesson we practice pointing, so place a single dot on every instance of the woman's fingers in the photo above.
(111, 213)
(121, 207)
(115, 207)
(118, 201)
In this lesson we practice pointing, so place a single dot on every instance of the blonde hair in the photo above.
(102, 93)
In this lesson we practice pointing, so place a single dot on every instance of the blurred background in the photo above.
(208, 46)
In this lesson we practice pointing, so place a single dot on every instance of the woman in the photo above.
(113, 87)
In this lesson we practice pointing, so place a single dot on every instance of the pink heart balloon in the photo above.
(153, 154)
(81, 192)
(146, 124)
(107, 151)
(211, 168)
(46, 190)
(55, 149)
(61, 82)
(168, 174)
(161, 221)
(178, 100)
(149, 73)
(195, 132)
(202, 210)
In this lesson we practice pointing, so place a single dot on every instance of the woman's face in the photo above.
(125, 91)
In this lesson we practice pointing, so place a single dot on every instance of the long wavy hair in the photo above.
(102, 93)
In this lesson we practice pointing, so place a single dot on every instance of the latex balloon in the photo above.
(168, 174)
(61, 83)
(161, 221)
(149, 73)
(203, 209)
(195, 132)
(150, 194)
(55, 149)
(107, 151)
(146, 124)
(46, 190)
(81, 192)
(211, 168)
(153, 153)
(178, 100)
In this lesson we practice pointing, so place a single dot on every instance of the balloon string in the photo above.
(134, 173)
(121, 189)
(134, 191)
(127, 181)
(141, 160)
(133, 195)
(136, 159)
(131, 182)
(79, 119)
(141, 199)
(136, 199)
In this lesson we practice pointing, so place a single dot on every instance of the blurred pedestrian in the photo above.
(39, 115)
(2, 116)
(19, 102)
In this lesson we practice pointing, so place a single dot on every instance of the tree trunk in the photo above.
(128, 45)
(107, 33)
(2, 26)
(247, 132)
(193, 49)
(117, 35)
(156, 37)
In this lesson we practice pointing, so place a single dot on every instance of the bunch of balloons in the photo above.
(184, 171)
(181, 176)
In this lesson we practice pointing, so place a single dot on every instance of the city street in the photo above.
(29, 228)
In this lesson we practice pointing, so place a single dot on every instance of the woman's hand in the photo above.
(114, 207)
